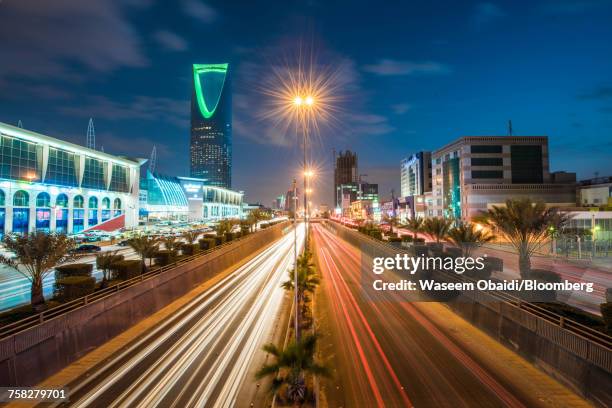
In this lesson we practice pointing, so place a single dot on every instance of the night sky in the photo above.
(408, 76)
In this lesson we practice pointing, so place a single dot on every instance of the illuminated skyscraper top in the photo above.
(211, 124)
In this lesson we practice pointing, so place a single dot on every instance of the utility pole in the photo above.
(295, 266)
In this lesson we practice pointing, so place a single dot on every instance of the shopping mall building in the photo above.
(51, 185)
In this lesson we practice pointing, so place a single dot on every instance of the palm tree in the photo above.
(416, 226)
(437, 228)
(526, 225)
(171, 243)
(36, 255)
(224, 226)
(105, 262)
(391, 220)
(306, 277)
(290, 367)
(467, 237)
(145, 246)
(191, 236)
(257, 215)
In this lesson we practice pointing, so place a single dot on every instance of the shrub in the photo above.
(376, 234)
(395, 239)
(129, 268)
(406, 238)
(164, 257)
(77, 269)
(229, 236)
(220, 240)
(419, 240)
(237, 234)
(190, 249)
(207, 243)
(74, 287)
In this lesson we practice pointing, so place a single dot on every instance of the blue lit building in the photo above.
(170, 198)
(211, 125)
(50, 185)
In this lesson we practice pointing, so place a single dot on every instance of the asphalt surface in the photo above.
(203, 354)
(385, 352)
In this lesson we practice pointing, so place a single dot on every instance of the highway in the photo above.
(385, 352)
(202, 355)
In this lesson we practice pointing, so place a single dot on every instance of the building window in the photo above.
(93, 203)
(21, 199)
(2, 198)
(18, 159)
(78, 220)
(93, 211)
(117, 207)
(526, 162)
(21, 220)
(487, 161)
(106, 212)
(93, 176)
(487, 174)
(43, 200)
(78, 202)
(61, 201)
(60, 168)
(119, 179)
(486, 149)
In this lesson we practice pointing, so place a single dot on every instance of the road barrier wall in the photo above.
(576, 355)
(33, 354)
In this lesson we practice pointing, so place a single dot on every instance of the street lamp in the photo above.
(304, 106)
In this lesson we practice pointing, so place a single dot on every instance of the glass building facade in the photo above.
(53, 186)
(211, 125)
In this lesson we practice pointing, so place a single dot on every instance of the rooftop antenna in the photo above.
(91, 135)
(102, 149)
(510, 131)
(153, 159)
(20, 124)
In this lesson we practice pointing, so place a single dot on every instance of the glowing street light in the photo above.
(309, 173)
(297, 101)
(309, 100)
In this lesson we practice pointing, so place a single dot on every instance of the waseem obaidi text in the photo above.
(483, 284)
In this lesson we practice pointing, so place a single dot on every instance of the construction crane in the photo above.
(91, 135)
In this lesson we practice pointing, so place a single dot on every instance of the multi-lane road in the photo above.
(387, 352)
(203, 355)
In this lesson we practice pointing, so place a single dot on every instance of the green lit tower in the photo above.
(211, 124)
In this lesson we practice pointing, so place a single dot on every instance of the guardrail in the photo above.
(562, 322)
(36, 319)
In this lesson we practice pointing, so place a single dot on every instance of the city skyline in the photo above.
(425, 77)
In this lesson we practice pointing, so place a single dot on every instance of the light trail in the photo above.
(201, 355)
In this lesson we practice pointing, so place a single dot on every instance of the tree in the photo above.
(415, 225)
(224, 226)
(191, 236)
(145, 247)
(467, 237)
(526, 225)
(437, 228)
(257, 215)
(290, 367)
(171, 243)
(391, 220)
(36, 255)
(105, 261)
(306, 277)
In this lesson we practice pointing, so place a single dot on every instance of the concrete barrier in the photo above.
(30, 356)
(582, 361)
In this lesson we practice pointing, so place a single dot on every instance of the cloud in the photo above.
(600, 92)
(45, 39)
(401, 108)
(485, 13)
(390, 67)
(200, 11)
(149, 108)
(170, 40)
(572, 6)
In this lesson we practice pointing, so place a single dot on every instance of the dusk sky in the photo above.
(409, 76)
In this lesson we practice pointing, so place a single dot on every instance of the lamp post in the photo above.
(295, 269)
(304, 106)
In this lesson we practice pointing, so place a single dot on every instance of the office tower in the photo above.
(416, 174)
(475, 172)
(345, 172)
(211, 124)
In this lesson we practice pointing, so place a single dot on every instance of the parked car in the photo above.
(86, 248)
(123, 243)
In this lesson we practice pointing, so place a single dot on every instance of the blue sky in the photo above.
(410, 76)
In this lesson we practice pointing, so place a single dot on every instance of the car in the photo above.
(86, 248)
(125, 242)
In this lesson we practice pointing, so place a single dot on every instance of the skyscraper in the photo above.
(345, 172)
(211, 124)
